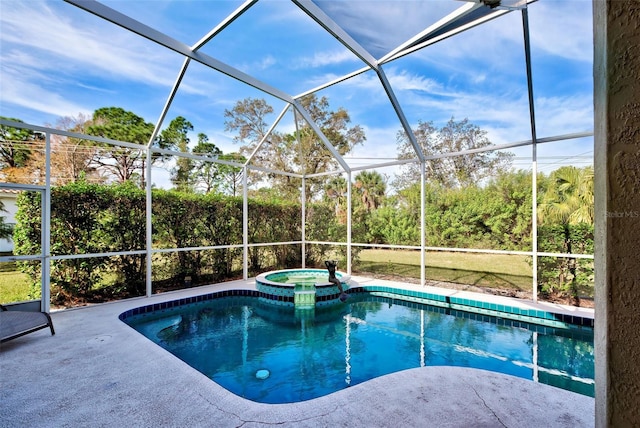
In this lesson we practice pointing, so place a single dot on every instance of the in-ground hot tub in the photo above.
(301, 287)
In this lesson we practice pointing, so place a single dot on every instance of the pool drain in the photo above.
(262, 374)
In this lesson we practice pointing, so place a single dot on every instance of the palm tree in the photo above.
(569, 198)
(372, 188)
(336, 190)
(568, 201)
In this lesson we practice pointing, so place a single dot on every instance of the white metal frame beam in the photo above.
(167, 104)
(224, 24)
(403, 120)
(333, 82)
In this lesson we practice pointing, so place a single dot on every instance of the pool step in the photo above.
(304, 296)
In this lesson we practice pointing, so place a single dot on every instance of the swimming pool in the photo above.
(277, 354)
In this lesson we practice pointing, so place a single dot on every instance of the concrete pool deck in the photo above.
(98, 372)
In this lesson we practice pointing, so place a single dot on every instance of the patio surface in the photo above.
(98, 372)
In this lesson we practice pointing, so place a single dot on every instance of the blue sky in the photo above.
(57, 60)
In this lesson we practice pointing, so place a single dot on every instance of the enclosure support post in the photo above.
(534, 221)
(245, 225)
(423, 229)
(45, 299)
(349, 222)
(148, 225)
(303, 195)
(534, 158)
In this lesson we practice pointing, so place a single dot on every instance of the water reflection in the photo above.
(314, 352)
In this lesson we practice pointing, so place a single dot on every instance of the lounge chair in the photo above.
(18, 323)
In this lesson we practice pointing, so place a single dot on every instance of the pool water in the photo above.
(302, 277)
(275, 354)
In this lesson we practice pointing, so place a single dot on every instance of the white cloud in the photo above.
(22, 85)
(380, 144)
(258, 64)
(321, 59)
(563, 29)
(266, 62)
(503, 114)
(403, 80)
(97, 47)
(54, 57)
(22, 92)
(563, 115)
(479, 78)
(95, 88)
(399, 79)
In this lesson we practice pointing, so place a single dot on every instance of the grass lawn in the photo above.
(14, 287)
(482, 270)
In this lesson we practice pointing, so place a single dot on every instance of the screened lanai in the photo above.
(301, 101)
(58, 62)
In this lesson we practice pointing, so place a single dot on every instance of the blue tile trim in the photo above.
(478, 307)
(185, 301)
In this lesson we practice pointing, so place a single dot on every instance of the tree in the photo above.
(455, 171)
(17, 148)
(507, 210)
(248, 118)
(312, 154)
(336, 191)
(72, 159)
(301, 152)
(390, 225)
(231, 176)
(6, 231)
(206, 174)
(372, 188)
(176, 136)
(567, 202)
(569, 198)
(117, 124)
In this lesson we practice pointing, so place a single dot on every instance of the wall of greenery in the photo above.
(105, 218)
(95, 218)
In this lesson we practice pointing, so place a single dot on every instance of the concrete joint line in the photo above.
(488, 408)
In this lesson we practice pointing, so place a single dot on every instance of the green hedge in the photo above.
(91, 218)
